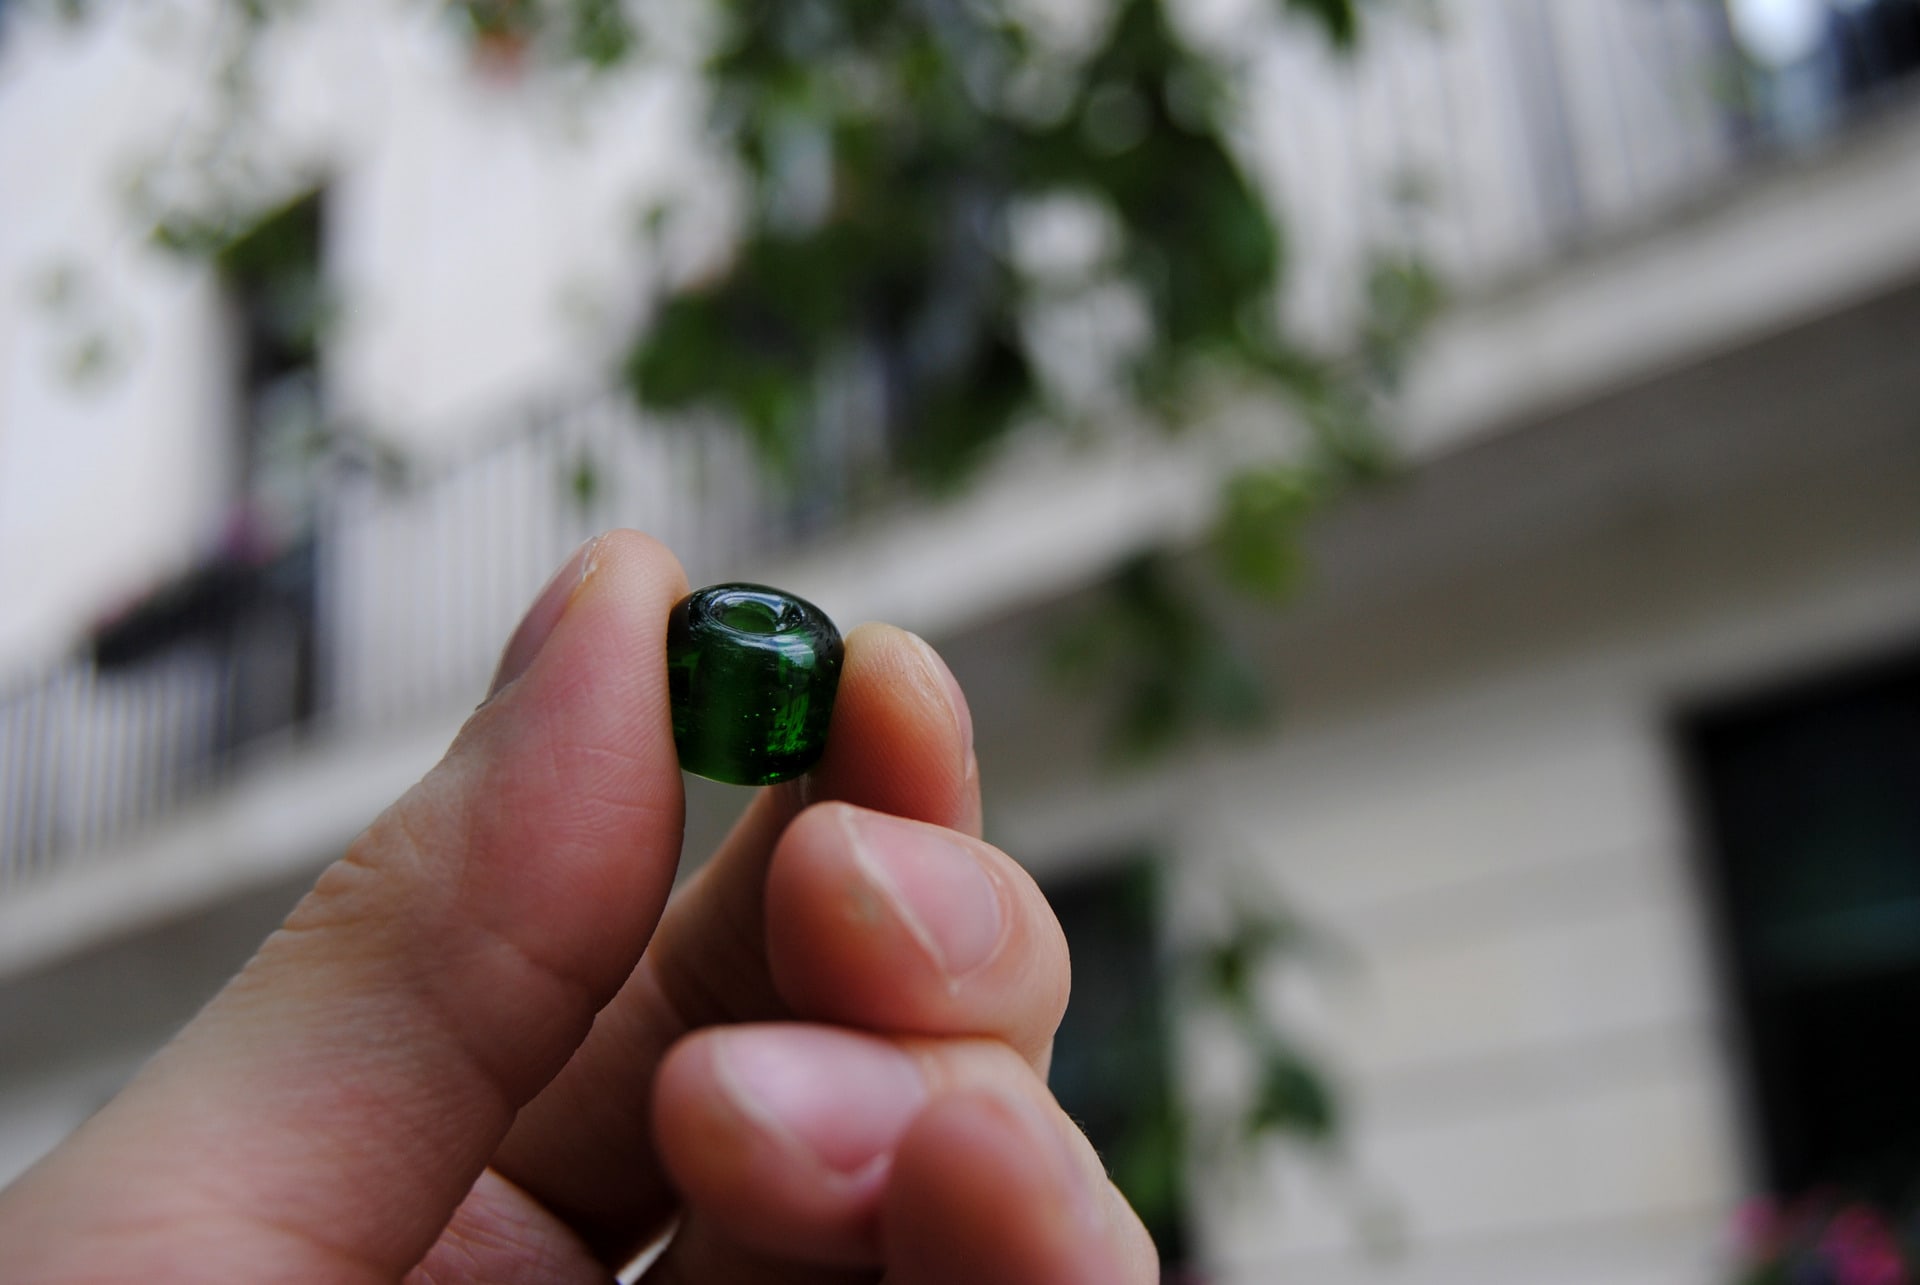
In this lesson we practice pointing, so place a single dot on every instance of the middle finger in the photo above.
(904, 928)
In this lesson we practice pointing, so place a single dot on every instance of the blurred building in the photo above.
(1600, 739)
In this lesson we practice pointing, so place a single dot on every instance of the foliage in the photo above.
(887, 147)
(1289, 1096)
(891, 161)
(889, 151)
(1158, 659)
(595, 32)
(1111, 1065)
(1293, 1096)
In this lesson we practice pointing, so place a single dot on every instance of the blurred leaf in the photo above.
(584, 482)
(1293, 1098)
(1230, 971)
(1404, 297)
(498, 19)
(901, 264)
(91, 361)
(601, 35)
(59, 286)
(1170, 666)
(277, 239)
(1231, 965)
(1340, 19)
(1257, 534)
(73, 11)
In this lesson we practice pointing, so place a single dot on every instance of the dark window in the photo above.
(1810, 804)
(1110, 1063)
(274, 275)
(1809, 64)
(275, 278)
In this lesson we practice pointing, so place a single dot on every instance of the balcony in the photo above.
(1600, 216)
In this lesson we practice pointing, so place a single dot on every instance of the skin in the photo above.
(487, 1046)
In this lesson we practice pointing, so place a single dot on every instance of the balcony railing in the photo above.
(396, 608)
(420, 580)
(1526, 126)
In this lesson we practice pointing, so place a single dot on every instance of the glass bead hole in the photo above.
(750, 615)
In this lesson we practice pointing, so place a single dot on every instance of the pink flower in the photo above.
(1759, 1228)
(1862, 1250)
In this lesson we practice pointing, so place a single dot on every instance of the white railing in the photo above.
(420, 583)
(397, 608)
(88, 756)
(1489, 135)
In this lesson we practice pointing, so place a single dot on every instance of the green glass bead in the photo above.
(752, 674)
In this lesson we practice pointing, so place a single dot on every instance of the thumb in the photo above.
(327, 1112)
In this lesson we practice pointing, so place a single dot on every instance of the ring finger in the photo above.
(784, 1136)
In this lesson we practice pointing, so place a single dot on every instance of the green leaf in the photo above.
(1293, 1098)
(584, 482)
(1258, 533)
(1404, 297)
(1339, 19)
(599, 33)
(1153, 641)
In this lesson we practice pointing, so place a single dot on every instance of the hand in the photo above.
(454, 1059)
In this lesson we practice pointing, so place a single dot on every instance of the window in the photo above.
(1110, 1063)
(274, 276)
(273, 273)
(1809, 63)
(1810, 805)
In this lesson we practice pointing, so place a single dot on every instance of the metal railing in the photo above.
(419, 582)
(413, 584)
(1495, 136)
(396, 608)
(1527, 126)
(1488, 135)
(87, 756)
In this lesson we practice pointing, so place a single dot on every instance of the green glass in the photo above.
(752, 673)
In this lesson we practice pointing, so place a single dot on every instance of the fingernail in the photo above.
(940, 890)
(542, 616)
(956, 699)
(844, 1097)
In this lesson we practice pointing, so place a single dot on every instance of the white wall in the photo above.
(104, 481)
(1473, 784)
(1531, 1035)
(484, 227)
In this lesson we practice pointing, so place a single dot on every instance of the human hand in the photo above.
(455, 1061)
